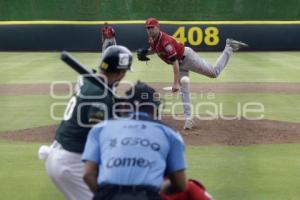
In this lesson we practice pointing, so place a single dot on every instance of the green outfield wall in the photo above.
(140, 9)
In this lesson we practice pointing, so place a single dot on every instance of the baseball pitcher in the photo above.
(184, 59)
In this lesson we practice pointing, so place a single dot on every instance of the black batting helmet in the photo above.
(143, 93)
(115, 59)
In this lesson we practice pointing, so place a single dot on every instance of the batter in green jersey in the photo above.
(89, 105)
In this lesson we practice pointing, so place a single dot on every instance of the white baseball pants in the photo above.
(108, 42)
(194, 62)
(66, 171)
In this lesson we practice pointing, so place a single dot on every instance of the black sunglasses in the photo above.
(150, 27)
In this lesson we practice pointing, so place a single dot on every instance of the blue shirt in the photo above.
(134, 152)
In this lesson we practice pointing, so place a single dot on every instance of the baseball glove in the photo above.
(142, 54)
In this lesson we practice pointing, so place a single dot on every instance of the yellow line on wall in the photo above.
(143, 21)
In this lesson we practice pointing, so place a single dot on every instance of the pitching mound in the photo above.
(219, 132)
(239, 132)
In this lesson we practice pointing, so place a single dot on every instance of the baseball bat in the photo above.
(79, 68)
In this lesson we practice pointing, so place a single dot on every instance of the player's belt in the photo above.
(140, 192)
(128, 188)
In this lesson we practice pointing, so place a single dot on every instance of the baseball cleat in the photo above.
(234, 44)
(188, 125)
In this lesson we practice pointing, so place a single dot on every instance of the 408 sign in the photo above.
(196, 36)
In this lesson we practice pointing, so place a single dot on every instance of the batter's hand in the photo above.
(175, 87)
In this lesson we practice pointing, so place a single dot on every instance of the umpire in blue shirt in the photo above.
(128, 158)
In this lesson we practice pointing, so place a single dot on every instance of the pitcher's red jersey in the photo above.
(166, 47)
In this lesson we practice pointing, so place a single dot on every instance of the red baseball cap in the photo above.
(151, 22)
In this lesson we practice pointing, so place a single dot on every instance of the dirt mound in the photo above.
(239, 132)
(222, 132)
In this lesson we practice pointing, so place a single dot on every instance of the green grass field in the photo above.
(241, 172)
(280, 107)
(247, 172)
(244, 67)
(230, 172)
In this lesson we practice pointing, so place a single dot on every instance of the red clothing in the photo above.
(166, 47)
(194, 191)
(108, 32)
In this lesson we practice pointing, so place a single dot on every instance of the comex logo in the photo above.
(128, 162)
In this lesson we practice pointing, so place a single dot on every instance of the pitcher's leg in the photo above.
(186, 100)
(222, 60)
(196, 63)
